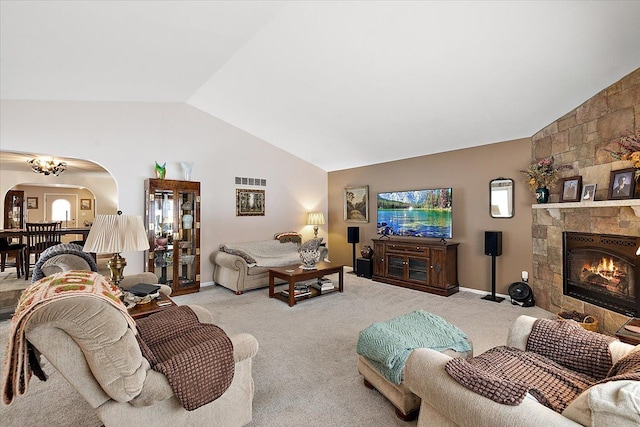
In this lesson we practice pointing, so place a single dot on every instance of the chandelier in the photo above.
(47, 167)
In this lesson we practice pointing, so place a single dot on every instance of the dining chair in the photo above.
(15, 250)
(40, 236)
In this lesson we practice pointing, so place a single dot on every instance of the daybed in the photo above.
(445, 402)
(244, 266)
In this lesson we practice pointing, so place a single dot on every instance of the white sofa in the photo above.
(445, 402)
(245, 266)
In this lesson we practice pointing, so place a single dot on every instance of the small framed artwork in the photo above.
(356, 203)
(571, 189)
(588, 193)
(32, 203)
(621, 184)
(85, 204)
(249, 202)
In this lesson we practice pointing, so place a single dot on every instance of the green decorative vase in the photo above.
(542, 195)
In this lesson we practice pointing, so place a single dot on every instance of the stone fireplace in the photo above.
(581, 139)
(603, 270)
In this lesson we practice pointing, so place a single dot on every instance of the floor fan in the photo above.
(521, 294)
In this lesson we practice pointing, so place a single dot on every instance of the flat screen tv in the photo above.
(415, 213)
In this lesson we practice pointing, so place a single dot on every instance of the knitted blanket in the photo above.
(389, 344)
(560, 362)
(197, 358)
(20, 358)
(265, 253)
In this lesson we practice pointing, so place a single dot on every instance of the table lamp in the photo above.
(115, 234)
(315, 219)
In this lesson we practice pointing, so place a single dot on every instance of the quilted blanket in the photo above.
(389, 344)
(196, 358)
(267, 253)
(560, 362)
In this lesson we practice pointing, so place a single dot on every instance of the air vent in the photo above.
(259, 182)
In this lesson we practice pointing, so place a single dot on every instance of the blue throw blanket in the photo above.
(389, 344)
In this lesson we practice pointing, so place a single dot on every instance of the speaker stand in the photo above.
(493, 296)
(354, 259)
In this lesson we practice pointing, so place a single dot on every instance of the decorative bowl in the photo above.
(309, 258)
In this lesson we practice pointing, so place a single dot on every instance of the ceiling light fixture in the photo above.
(47, 167)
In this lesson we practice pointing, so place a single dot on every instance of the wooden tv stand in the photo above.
(412, 263)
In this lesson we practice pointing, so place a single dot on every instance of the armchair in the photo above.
(445, 402)
(89, 342)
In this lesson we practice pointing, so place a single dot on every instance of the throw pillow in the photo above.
(627, 368)
(288, 236)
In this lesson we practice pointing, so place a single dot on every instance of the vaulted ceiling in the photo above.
(338, 84)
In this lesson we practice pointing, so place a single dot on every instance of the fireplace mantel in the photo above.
(554, 208)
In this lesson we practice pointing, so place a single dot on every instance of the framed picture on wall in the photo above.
(356, 203)
(85, 204)
(621, 184)
(249, 202)
(571, 189)
(32, 203)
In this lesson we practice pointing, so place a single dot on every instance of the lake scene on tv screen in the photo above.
(417, 213)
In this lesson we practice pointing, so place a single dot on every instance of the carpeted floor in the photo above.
(305, 371)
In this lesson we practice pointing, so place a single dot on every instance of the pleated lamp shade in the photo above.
(315, 218)
(117, 233)
(114, 234)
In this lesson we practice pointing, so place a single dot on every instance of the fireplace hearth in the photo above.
(603, 270)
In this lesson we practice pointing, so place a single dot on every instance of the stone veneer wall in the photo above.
(579, 139)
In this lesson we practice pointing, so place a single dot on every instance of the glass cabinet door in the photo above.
(13, 213)
(173, 221)
(186, 245)
(161, 227)
(395, 266)
(418, 269)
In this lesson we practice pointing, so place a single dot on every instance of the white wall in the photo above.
(127, 139)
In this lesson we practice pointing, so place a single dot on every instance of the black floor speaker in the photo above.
(493, 243)
(353, 234)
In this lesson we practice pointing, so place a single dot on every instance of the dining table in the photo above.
(21, 233)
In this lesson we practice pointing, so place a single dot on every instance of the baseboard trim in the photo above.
(479, 292)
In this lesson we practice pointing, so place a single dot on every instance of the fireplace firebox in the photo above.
(603, 270)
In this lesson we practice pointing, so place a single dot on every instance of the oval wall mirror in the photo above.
(501, 198)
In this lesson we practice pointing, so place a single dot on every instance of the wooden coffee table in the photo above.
(143, 310)
(294, 273)
(627, 336)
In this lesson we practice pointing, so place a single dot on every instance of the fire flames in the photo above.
(606, 269)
